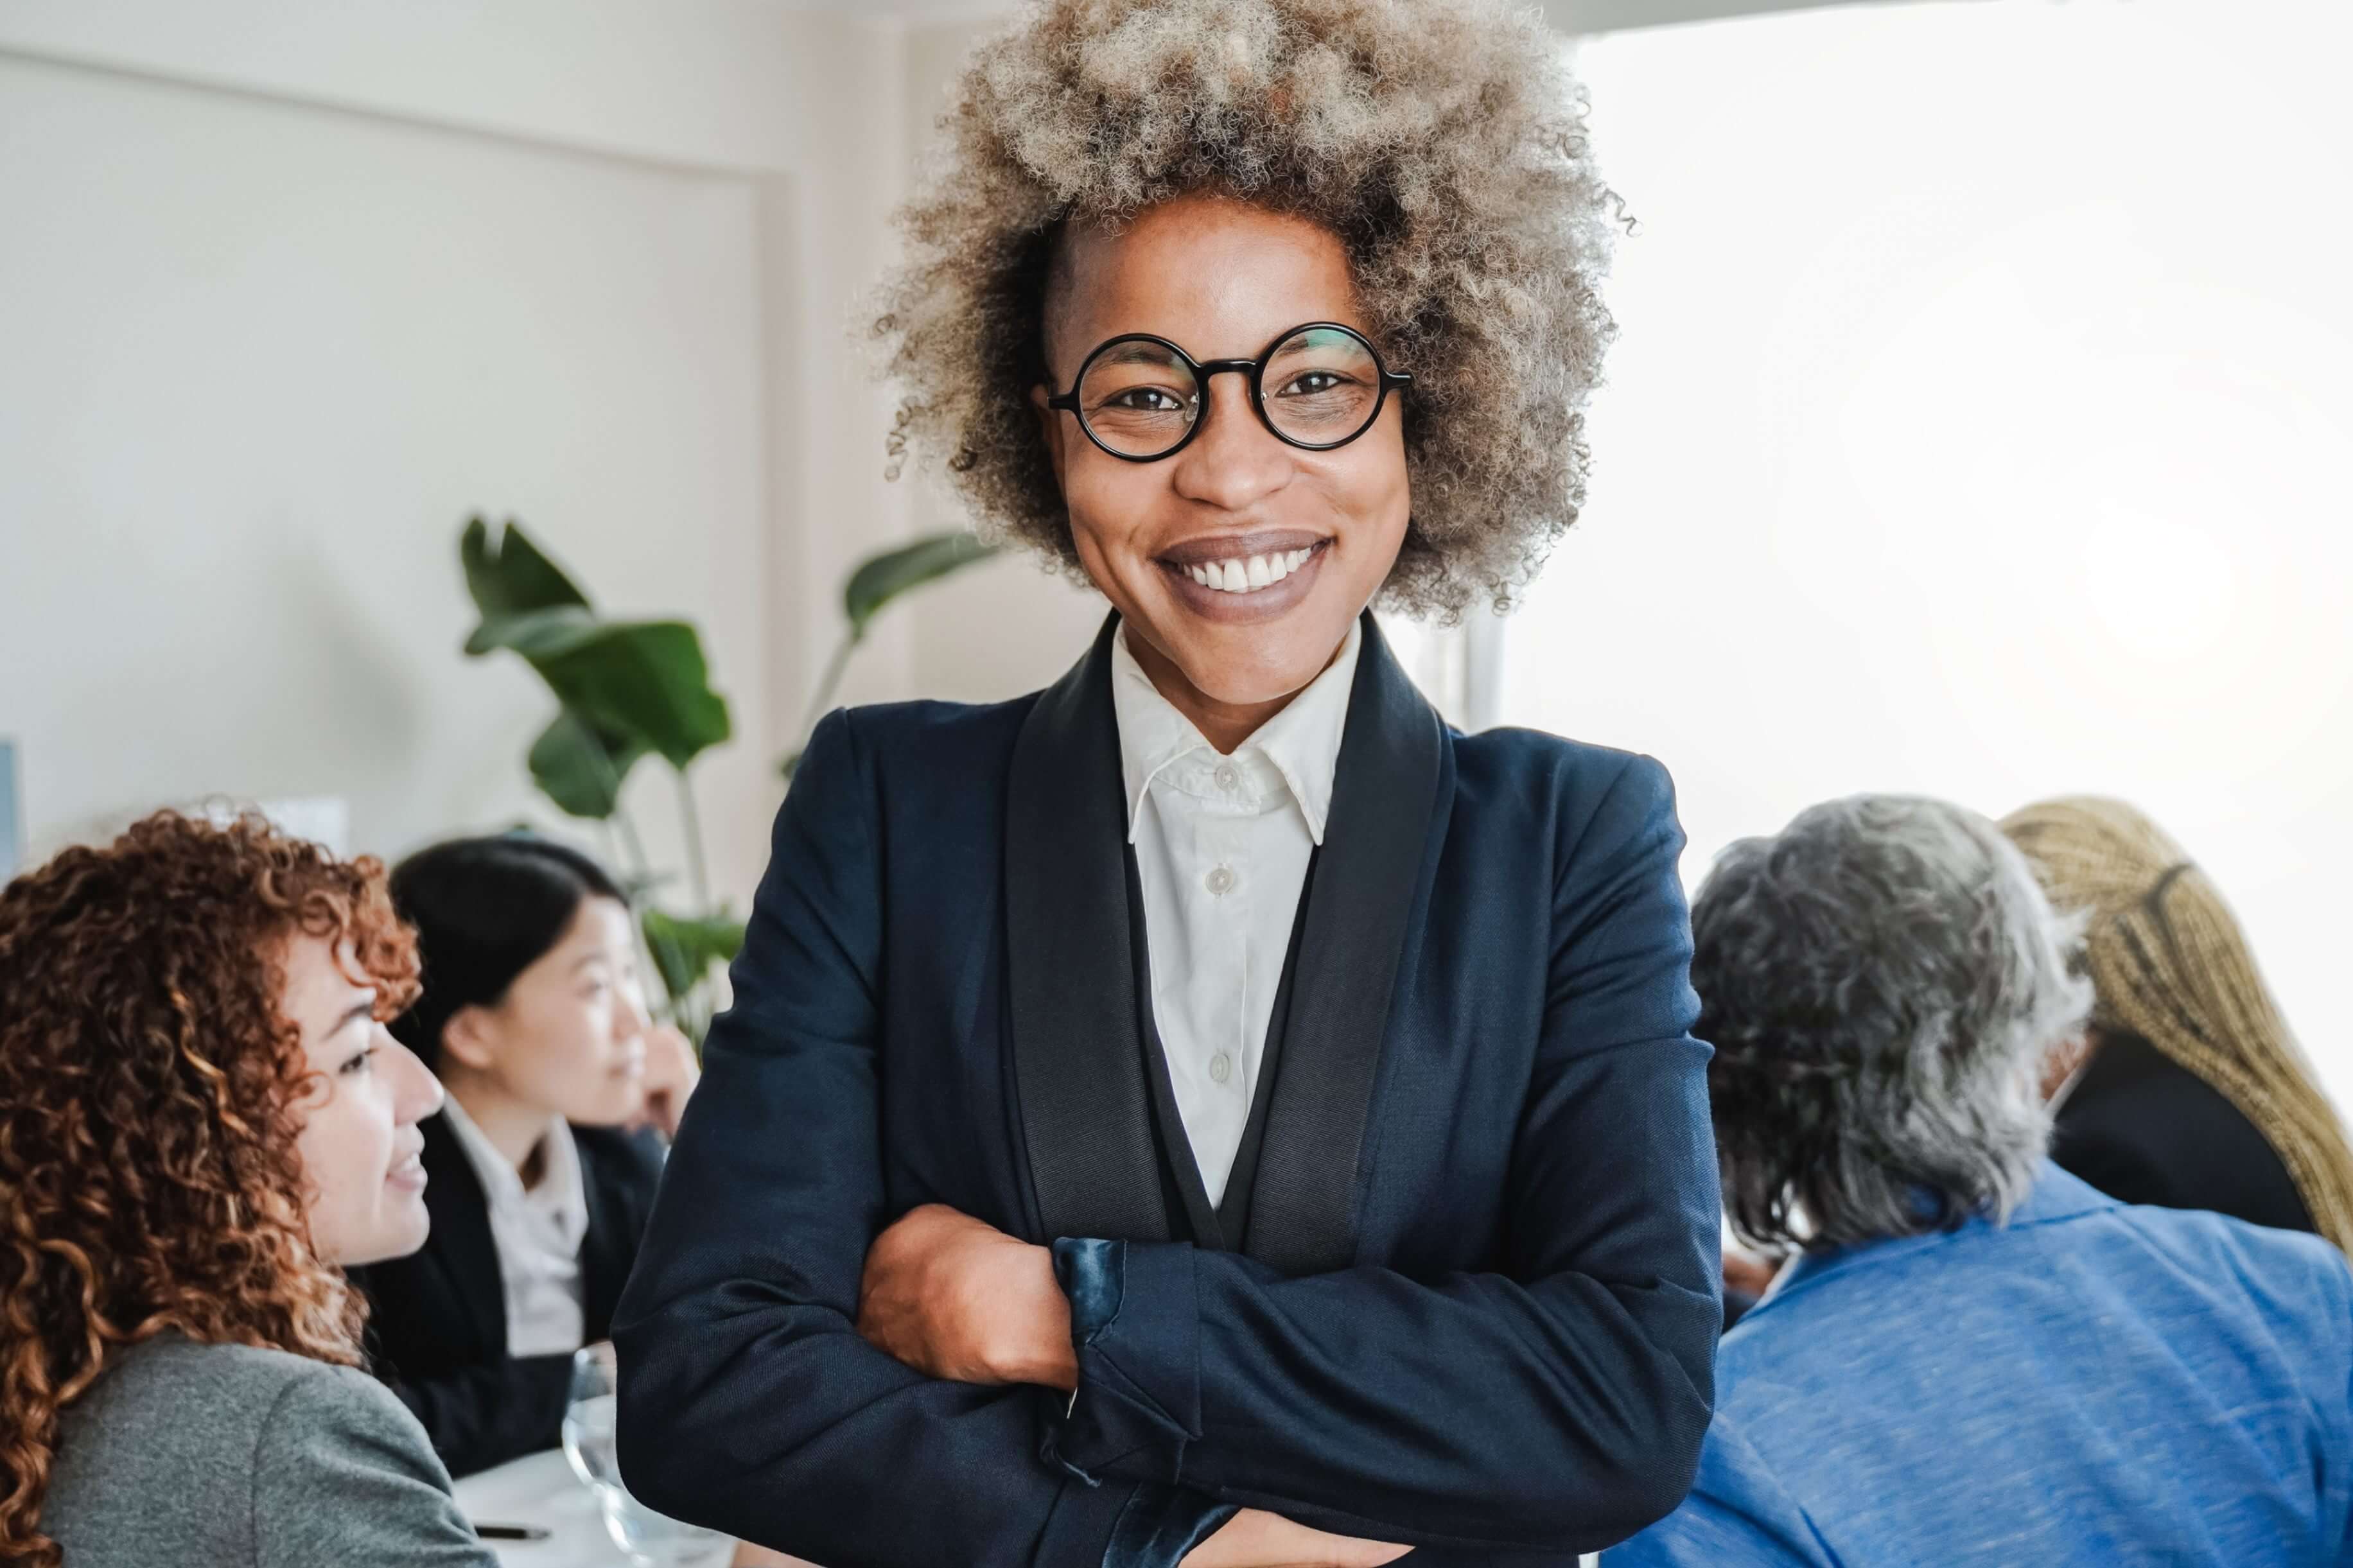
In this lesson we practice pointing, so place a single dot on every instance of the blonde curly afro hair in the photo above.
(1442, 141)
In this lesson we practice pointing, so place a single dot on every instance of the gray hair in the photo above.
(1881, 982)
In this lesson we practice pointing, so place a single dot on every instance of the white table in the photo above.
(540, 1488)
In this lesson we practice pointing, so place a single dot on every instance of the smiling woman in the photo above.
(201, 1118)
(1208, 1111)
(544, 1161)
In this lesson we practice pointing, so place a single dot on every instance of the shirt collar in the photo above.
(1302, 742)
(2056, 1194)
(560, 1194)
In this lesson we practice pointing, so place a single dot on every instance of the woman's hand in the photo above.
(955, 1298)
(671, 1074)
(1256, 1539)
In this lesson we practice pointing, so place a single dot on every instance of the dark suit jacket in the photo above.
(2144, 1129)
(1474, 1306)
(438, 1317)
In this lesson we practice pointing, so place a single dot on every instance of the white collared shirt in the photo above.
(1221, 847)
(538, 1232)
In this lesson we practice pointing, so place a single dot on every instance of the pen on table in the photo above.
(511, 1532)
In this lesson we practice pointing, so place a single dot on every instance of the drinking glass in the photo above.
(656, 1541)
(588, 1417)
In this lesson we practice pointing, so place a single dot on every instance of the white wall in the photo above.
(289, 288)
(1997, 453)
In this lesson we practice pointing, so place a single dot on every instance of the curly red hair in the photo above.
(149, 1178)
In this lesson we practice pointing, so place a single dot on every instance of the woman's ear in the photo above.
(471, 1038)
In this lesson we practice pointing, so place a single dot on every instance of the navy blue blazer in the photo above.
(1476, 1307)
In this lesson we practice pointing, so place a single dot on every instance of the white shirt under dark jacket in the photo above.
(1221, 848)
(538, 1232)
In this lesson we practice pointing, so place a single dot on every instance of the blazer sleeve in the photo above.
(342, 1475)
(747, 1400)
(1559, 1405)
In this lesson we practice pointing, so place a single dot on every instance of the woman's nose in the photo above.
(1236, 462)
(416, 1093)
(631, 1019)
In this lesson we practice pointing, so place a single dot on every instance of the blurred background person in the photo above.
(1976, 1358)
(2185, 1089)
(201, 1117)
(544, 1161)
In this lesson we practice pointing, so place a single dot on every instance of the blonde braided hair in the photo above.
(2170, 965)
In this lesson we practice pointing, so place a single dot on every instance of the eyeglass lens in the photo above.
(1319, 387)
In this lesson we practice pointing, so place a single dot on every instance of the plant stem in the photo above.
(640, 874)
(823, 702)
(641, 869)
(690, 822)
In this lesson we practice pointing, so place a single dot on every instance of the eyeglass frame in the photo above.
(1202, 370)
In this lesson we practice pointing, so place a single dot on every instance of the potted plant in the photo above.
(630, 692)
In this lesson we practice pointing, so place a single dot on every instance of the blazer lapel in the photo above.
(1078, 1060)
(461, 1239)
(1389, 794)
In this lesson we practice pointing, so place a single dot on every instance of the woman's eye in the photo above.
(1145, 400)
(357, 1064)
(1310, 382)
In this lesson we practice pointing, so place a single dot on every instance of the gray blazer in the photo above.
(226, 1457)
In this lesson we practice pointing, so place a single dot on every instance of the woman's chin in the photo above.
(615, 1108)
(1265, 664)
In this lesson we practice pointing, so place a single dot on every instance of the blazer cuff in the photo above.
(1135, 1323)
(1161, 1525)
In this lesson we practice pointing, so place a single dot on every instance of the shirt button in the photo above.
(1220, 880)
(1221, 1067)
(1228, 777)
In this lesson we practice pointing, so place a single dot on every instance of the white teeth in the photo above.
(1248, 576)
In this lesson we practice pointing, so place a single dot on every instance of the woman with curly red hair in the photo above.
(201, 1120)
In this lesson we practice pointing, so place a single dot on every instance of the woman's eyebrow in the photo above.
(1136, 353)
(359, 1011)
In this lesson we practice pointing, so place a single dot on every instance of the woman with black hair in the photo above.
(542, 1164)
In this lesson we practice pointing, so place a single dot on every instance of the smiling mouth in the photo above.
(1245, 563)
(1236, 576)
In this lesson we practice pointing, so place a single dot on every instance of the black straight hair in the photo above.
(485, 909)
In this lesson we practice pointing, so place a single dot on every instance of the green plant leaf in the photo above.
(580, 766)
(685, 947)
(553, 629)
(882, 578)
(645, 680)
(514, 575)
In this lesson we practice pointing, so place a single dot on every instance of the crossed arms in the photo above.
(801, 1371)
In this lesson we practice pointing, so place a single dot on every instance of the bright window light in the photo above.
(1982, 427)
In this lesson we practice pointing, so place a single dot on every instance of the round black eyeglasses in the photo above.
(1317, 386)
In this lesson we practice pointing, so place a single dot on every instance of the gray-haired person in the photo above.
(1973, 1357)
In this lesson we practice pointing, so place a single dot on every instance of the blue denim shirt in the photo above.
(2090, 1383)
